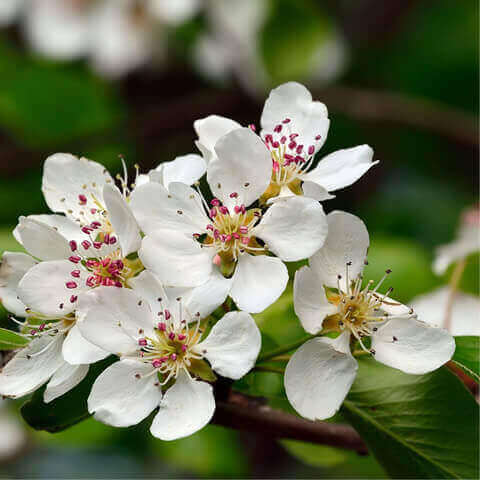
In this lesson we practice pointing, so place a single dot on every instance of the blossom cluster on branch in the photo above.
(137, 269)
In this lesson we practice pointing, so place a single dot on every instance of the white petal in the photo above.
(308, 118)
(121, 41)
(186, 169)
(309, 299)
(243, 166)
(466, 243)
(41, 240)
(9, 9)
(465, 316)
(77, 350)
(121, 398)
(258, 282)
(66, 227)
(57, 29)
(65, 177)
(209, 130)
(22, 375)
(157, 209)
(347, 241)
(44, 287)
(205, 298)
(186, 408)
(417, 347)
(342, 168)
(148, 286)
(114, 319)
(233, 345)
(319, 376)
(316, 191)
(174, 13)
(294, 229)
(13, 267)
(171, 255)
(122, 220)
(63, 380)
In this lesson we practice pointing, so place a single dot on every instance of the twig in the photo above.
(284, 349)
(246, 413)
(398, 108)
(452, 290)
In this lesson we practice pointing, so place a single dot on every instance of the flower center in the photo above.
(173, 348)
(37, 325)
(360, 310)
(289, 160)
(230, 233)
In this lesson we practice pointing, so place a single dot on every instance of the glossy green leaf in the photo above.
(10, 340)
(65, 411)
(467, 355)
(417, 426)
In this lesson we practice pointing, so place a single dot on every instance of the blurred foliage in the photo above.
(39, 101)
(288, 51)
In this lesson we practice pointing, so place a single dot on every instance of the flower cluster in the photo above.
(135, 269)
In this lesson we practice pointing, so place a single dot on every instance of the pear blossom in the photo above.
(187, 242)
(85, 248)
(118, 36)
(56, 353)
(466, 242)
(329, 297)
(164, 360)
(14, 435)
(231, 46)
(186, 169)
(294, 128)
(464, 317)
(9, 10)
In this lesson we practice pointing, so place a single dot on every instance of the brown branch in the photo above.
(378, 106)
(249, 414)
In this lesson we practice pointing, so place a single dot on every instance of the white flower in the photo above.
(187, 169)
(294, 128)
(329, 297)
(231, 43)
(117, 35)
(466, 243)
(14, 435)
(58, 29)
(56, 351)
(465, 314)
(86, 248)
(187, 243)
(9, 10)
(163, 358)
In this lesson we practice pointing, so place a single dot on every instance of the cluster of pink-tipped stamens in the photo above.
(287, 153)
(172, 348)
(100, 270)
(230, 230)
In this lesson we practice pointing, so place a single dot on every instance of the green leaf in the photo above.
(314, 455)
(417, 426)
(65, 411)
(467, 355)
(10, 340)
